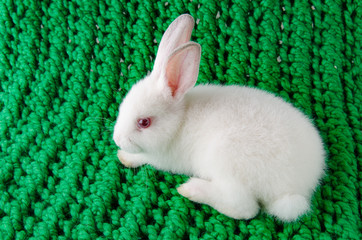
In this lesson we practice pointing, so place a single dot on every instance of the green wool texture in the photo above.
(66, 65)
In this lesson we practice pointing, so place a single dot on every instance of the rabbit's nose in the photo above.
(116, 139)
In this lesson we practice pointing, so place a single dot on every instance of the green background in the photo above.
(66, 65)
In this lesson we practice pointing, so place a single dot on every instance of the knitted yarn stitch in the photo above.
(66, 65)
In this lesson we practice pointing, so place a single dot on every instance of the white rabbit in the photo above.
(243, 147)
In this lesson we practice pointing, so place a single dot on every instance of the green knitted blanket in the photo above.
(66, 65)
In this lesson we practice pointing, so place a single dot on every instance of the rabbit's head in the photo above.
(152, 111)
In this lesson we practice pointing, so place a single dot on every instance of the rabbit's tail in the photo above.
(289, 207)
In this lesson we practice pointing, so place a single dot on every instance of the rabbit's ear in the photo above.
(178, 33)
(182, 69)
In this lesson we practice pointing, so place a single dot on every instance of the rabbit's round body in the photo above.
(242, 146)
(254, 138)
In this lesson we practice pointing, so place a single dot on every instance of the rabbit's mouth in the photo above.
(129, 146)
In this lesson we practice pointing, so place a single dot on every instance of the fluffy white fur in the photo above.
(243, 147)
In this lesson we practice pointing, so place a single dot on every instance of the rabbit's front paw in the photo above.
(129, 160)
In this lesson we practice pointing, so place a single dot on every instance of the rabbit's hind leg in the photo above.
(233, 200)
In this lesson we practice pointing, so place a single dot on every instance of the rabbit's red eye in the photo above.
(144, 122)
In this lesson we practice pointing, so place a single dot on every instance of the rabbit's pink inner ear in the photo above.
(178, 33)
(182, 69)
